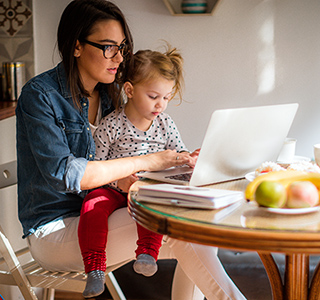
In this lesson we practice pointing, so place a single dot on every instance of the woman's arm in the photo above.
(98, 173)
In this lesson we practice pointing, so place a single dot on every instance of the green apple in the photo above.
(271, 194)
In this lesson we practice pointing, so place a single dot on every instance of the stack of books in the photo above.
(188, 196)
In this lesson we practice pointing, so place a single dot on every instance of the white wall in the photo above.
(250, 52)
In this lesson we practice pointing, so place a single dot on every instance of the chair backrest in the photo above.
(31, 274)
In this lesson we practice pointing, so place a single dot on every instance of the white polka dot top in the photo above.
(117, 137)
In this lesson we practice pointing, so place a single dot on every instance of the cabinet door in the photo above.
(8, 140)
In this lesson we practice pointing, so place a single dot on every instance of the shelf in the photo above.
(7, 109)
(174, 7)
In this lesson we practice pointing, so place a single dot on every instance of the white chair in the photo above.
(26, 273)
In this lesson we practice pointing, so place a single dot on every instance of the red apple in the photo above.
(301, 194)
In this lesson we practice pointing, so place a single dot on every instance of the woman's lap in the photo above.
(55, 246)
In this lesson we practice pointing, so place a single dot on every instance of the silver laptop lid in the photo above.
(238, 140)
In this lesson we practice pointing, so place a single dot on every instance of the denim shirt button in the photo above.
(84, 104)
(90, 155)
(88, 128)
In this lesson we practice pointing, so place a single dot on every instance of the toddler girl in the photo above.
(137, 128)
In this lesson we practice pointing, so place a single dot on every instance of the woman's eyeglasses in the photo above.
(110, 51)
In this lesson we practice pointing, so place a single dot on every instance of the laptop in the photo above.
(237, 141)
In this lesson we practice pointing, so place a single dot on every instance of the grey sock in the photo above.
(145, 265)
(95, 284)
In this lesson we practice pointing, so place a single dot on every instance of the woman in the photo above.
(56, 115)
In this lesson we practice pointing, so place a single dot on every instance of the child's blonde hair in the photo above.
(148, 65)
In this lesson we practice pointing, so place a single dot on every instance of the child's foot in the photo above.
(145, 265)
(95, 284)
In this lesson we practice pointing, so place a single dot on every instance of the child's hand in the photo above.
(125, 183)
(193, 158)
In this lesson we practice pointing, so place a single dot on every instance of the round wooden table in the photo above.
(244, 227)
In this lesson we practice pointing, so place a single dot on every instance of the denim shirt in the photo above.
(54, 144)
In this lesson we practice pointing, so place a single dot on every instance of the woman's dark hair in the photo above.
(76, 23)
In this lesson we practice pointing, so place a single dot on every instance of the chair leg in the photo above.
(114, 288)
(48, 294)
(15, 268)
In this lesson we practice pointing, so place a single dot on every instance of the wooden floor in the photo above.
(60, 295)
(67, 296)
(135, 286)
(245, 269)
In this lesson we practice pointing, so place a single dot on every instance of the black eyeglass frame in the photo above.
(105, 47)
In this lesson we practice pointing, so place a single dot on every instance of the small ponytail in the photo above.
(147, 64)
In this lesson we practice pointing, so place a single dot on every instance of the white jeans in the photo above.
(55, 247)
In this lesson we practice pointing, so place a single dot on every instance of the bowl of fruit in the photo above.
(287, 192)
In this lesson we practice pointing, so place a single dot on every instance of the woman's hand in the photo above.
(165, 159)
(125, 183)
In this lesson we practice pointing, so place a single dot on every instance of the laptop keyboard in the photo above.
(183, 177)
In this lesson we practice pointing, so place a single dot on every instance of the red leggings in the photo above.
(93, 229)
